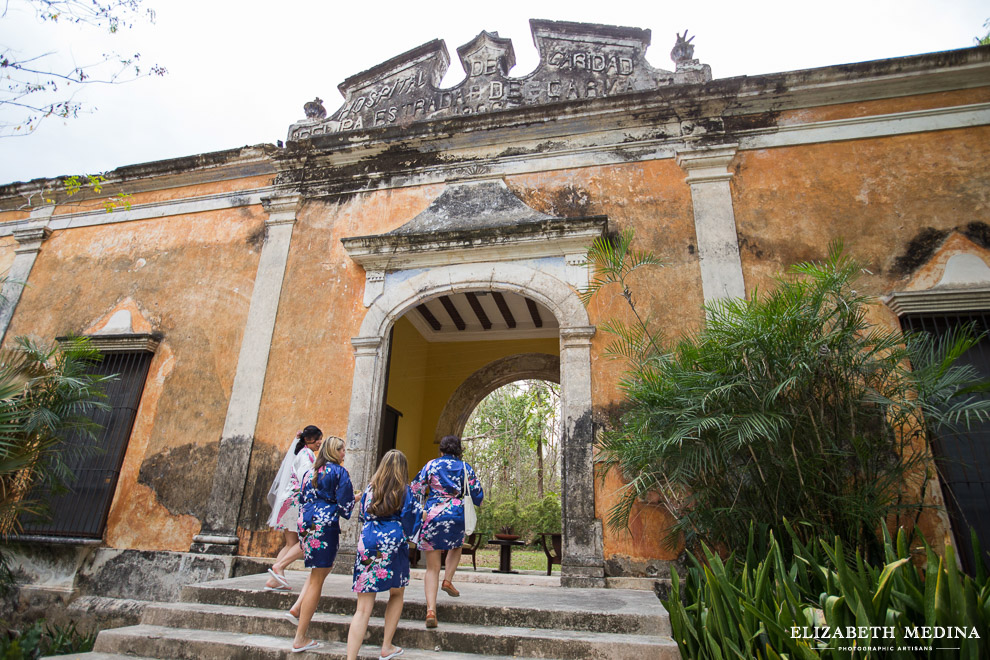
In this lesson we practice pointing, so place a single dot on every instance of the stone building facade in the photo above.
(420, 247)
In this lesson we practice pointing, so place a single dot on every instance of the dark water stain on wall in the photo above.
(919, 250)
(181, 477)
(926, 242)
(265, 460)
(978, 232)
(256, 239)
(565, 202)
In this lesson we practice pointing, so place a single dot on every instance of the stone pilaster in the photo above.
(714, 220)
(363, 425)
(29, 238)
(219, 531)
(583, 564)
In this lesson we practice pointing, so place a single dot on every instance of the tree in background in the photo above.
(46, 393)
(512, 441)
(36, 85)
(788, 406)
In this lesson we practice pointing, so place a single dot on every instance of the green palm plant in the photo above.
(46, 393)
(789, 405)
(613, 261)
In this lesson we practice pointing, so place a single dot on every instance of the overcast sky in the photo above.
(239, 71)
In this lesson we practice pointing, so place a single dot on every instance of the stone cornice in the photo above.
(939, 301)
(551, 238)
(160, 209)
(209, 167)
(124, 343)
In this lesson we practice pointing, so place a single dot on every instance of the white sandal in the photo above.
(313, 645)
(279, 578)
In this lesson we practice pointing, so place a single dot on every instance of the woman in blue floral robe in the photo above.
(391, 515)
(326, 496)
(442, 483)
(382, 560)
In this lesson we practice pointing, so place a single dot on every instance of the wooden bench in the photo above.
(556, 543)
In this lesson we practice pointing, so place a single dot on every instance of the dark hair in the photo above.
(308, 432)
(450, 444)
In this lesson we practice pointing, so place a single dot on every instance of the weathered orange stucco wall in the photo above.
(877, 195)
(189, 278)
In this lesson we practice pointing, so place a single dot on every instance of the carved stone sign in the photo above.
(577, 61)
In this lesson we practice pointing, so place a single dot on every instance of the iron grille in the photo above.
(963, 458)
(82, 511)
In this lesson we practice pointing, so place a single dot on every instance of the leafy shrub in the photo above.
(789, 405)
(40, 640)
(751, 607)
(543, 516)
(528, 521)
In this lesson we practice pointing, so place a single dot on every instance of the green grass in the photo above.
(523, 559)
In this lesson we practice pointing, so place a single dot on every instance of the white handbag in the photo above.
(470, 515)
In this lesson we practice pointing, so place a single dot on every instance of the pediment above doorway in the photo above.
(475, 222)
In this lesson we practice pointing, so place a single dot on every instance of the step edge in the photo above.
(407, 624)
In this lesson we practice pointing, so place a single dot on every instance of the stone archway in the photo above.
(489, 378)
(583, 563)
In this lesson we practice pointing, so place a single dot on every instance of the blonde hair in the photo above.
(388, 485)
(331, 452)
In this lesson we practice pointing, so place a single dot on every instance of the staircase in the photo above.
(236, 618)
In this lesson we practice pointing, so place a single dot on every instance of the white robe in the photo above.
(302, 464)
(282, 486)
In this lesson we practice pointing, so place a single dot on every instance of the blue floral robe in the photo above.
(320, 510)
(382, 560)
(443, 479)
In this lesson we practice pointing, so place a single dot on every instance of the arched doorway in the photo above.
(583, 563)
(489, 378)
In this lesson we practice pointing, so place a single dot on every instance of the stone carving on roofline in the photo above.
(314, 109)
(578, 61)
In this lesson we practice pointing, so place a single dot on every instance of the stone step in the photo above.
(94, 655)
(553, 608)
(450, 637)
(485, 576)
(191, 644)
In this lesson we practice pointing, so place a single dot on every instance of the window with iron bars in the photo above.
(81, 513)
(963, 458)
